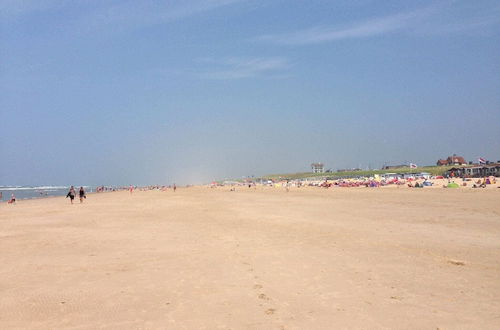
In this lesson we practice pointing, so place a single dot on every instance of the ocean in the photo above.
(36, 192)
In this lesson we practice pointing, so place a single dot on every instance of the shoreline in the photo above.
(438, 184)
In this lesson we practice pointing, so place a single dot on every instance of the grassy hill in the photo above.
(434, 170)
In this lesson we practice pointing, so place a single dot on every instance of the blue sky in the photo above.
(143, 92)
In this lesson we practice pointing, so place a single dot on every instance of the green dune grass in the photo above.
(433, 170)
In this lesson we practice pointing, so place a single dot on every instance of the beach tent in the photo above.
(452, 185)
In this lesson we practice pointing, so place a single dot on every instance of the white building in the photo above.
(318, 168)
(391, 176)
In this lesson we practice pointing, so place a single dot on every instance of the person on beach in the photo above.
(131, 189)
(12, 199)
(175, 187)
(71, 194)
(82, 194)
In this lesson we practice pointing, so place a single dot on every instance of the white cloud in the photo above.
(321, 34)
(95, 15)
(428, 20)
(149, 12)
(463, 19)
(13, 8)
(239, 68)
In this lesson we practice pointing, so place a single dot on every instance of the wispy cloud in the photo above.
(95, 15)
(239, 68)
(468, 18)
(319, 34)
(425, 20)
(15, 8)
(153, 12)
(134, 14)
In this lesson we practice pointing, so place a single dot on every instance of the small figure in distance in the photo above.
(175, 187)
(12, 199)
(82, 194)
(131, 189)
(71, 194)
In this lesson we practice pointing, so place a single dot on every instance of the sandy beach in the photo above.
(259, 258)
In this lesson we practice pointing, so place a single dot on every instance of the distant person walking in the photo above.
(131, 189)
(82, 194)
(175, 187)
(71, 194)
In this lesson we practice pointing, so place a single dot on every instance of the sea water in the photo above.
(24, 192)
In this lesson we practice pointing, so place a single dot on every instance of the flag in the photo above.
(481, 160)
(413, 165)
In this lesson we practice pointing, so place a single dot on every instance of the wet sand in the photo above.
(206, 258)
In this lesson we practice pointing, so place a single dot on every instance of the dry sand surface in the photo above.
(206, 258)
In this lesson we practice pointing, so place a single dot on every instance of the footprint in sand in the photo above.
(270, 311)
(257, 286)
(263, 296)
(456, 262)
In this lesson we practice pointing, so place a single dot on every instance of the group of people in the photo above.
(482, 183)
(72, 194)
